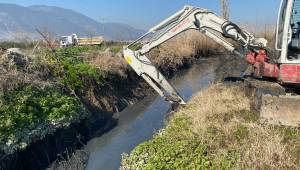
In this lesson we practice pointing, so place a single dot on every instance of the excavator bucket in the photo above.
(273, 104)
(281, 110)
(145, 68)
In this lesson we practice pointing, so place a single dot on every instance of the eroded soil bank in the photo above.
(102, 104)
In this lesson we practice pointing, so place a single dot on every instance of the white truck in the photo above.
(73, 40)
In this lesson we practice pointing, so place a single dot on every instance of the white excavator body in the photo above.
(188, 18)
(285, 67)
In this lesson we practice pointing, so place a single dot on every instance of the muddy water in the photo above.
(140, 121)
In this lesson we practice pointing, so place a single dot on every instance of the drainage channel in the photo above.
(139, 122)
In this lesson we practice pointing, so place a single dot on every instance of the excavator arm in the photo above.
(206, 22)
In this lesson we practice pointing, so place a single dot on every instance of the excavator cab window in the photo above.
(294, 45)
(295, 26)
(280, 25)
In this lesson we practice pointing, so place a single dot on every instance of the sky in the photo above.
(144, 14)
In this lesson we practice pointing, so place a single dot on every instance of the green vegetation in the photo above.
(176, 147)
(23, 45)
(32, 103)
(224, 134)
(75, 72)
(44, 92)
(116, 49)
(135, 46)
(29, 108)
(241, 132)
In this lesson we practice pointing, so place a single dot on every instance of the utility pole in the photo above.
(102, 21)
(225, 9)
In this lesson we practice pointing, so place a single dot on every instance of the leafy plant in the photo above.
(174, 148)
(73, 71)
(28, 108)
(241, 132)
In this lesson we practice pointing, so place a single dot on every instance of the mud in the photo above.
(231, 68)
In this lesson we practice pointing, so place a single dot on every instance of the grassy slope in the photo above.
(217, 130)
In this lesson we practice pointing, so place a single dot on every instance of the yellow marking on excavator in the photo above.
(128, 59)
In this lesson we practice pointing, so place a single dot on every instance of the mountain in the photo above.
(16, 20)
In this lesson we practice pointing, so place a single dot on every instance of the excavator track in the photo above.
(273, 103)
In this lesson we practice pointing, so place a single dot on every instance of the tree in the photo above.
(48, 36)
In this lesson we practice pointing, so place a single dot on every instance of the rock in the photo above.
(107, 50)
(15, 51)
(281, 110)
(17, 57)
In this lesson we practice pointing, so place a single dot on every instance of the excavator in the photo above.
(281, 64)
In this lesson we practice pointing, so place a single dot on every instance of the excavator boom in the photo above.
(188, 18)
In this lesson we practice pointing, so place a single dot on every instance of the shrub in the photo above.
(74, 72)
(23, 45)
(109, 63)
(29, 108)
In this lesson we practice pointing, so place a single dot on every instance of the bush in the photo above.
(30, 108)
(23, 45)
(74, 72)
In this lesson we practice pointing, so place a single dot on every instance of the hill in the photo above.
(17, 20)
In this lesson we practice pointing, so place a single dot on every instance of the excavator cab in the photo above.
(288, 32)
(294, 47)
(288, 42)
(284, 109)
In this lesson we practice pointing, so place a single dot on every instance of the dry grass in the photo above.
(222, 119)
(171, 55)
(217, 130)
(266, 31)
(190, 43)
(18, 69)
(108, 62)
(73, 161)
(215, 100)
(182, 49)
